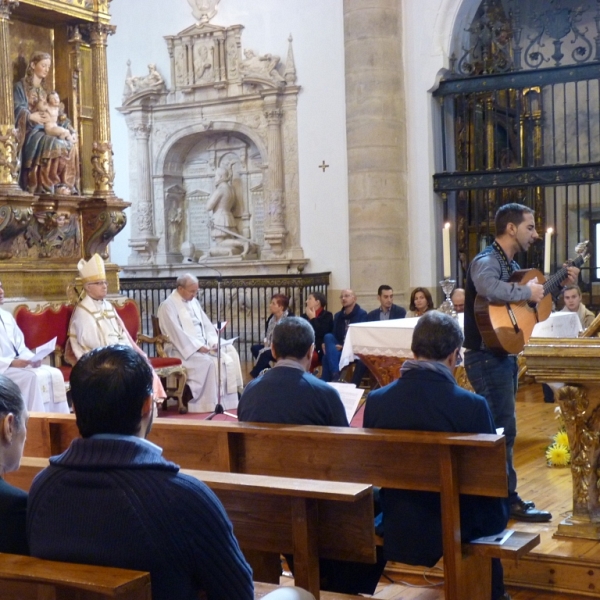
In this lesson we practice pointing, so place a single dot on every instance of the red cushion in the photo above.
(40, 327)
(130, 316)
(66, 372)
(315, 362)
(160, 363)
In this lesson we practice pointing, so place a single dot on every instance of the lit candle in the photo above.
(547, 249)
(446, 250)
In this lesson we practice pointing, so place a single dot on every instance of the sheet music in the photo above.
(44, 350)
(350, 396)
(497, 539)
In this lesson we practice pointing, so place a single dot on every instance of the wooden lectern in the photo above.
(575, 363)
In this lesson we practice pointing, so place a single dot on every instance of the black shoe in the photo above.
(528, 503)
(522, 512)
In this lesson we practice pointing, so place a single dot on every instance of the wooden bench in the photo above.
(52, 320)
(310, 519)
(27, 578)
(450, 464)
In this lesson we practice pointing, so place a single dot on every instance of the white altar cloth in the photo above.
(381, 338)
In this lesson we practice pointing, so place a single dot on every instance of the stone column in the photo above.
(102, 154)
(143, 241)
(275, 231)
(376, 138)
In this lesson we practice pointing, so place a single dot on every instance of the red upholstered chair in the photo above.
(42, 324)
(167, 368)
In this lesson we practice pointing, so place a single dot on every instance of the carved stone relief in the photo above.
(222, 152)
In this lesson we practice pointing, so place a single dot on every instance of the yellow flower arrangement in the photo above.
(558, 455)
(561, 439)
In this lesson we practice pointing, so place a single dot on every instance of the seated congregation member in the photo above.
(193, 338)
(287, 393)
(13, 501)
(420, 302)
(279, 308)
(387, 310)
(573, 303)
(109, 499)
(320, 319)
(95, 322)
(458, 299)
(334, 342)
(427, 398)
(42, 386)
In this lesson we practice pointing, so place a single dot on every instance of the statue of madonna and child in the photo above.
(48, 143)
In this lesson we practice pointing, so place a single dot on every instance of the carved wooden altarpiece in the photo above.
(575, 363)
(44, 234)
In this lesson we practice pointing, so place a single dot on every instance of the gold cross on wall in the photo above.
(323, 166)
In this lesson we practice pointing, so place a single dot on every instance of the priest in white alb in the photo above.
(193, 339)
(95, 322)
(42, 386)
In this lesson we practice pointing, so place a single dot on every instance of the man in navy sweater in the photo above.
(110, 498)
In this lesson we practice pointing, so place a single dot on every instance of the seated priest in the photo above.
(42, 386)
(95, 323)
(193, 338)
(427, 398)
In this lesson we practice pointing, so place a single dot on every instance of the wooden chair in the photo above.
(167, 368)
(44, 323)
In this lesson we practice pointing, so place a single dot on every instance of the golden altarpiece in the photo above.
(57, 202)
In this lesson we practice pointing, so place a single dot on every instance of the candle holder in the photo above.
(447, 307)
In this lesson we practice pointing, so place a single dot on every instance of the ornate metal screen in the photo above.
(520, 121)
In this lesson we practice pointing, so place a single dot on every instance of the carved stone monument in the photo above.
(213, 159)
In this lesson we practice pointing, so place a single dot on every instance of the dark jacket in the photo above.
(341, 321)
(13, 511)
(396, 312)
(426, 401)
(322, 324)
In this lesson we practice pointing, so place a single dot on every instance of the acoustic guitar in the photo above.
(506, 326)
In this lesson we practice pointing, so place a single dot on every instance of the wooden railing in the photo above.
(243, 301)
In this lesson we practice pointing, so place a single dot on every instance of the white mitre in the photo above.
(91, 270)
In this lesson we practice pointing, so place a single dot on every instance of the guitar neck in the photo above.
(553, 283)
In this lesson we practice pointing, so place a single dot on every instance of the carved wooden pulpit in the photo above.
(576, 364)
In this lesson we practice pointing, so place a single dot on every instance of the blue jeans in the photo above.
(496, 379)
(331, 358)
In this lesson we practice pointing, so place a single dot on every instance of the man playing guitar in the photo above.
(493, 374)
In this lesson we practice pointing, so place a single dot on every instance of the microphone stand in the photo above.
(219, 409)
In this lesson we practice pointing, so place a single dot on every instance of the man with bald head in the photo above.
(458, 299)
(333, 342)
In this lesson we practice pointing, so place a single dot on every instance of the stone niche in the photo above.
(213, 158)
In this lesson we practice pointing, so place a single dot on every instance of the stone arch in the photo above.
(180, 142)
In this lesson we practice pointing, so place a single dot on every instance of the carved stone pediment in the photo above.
(216, 170)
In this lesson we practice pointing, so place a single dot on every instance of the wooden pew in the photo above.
(450, 464)
(281, 515)
(27, 578)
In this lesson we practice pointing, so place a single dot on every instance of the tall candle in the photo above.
(446, 250)
(547, 250)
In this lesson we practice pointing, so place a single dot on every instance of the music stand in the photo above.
(219, 410)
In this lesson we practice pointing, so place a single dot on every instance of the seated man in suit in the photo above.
(427, 398)
(288, 394)
(387, 309)
(42, 386)
(109, 499)
(334, 342)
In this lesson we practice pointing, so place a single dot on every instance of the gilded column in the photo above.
(275, 231)
(376, 143)
(9, 159)
(102, 154)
